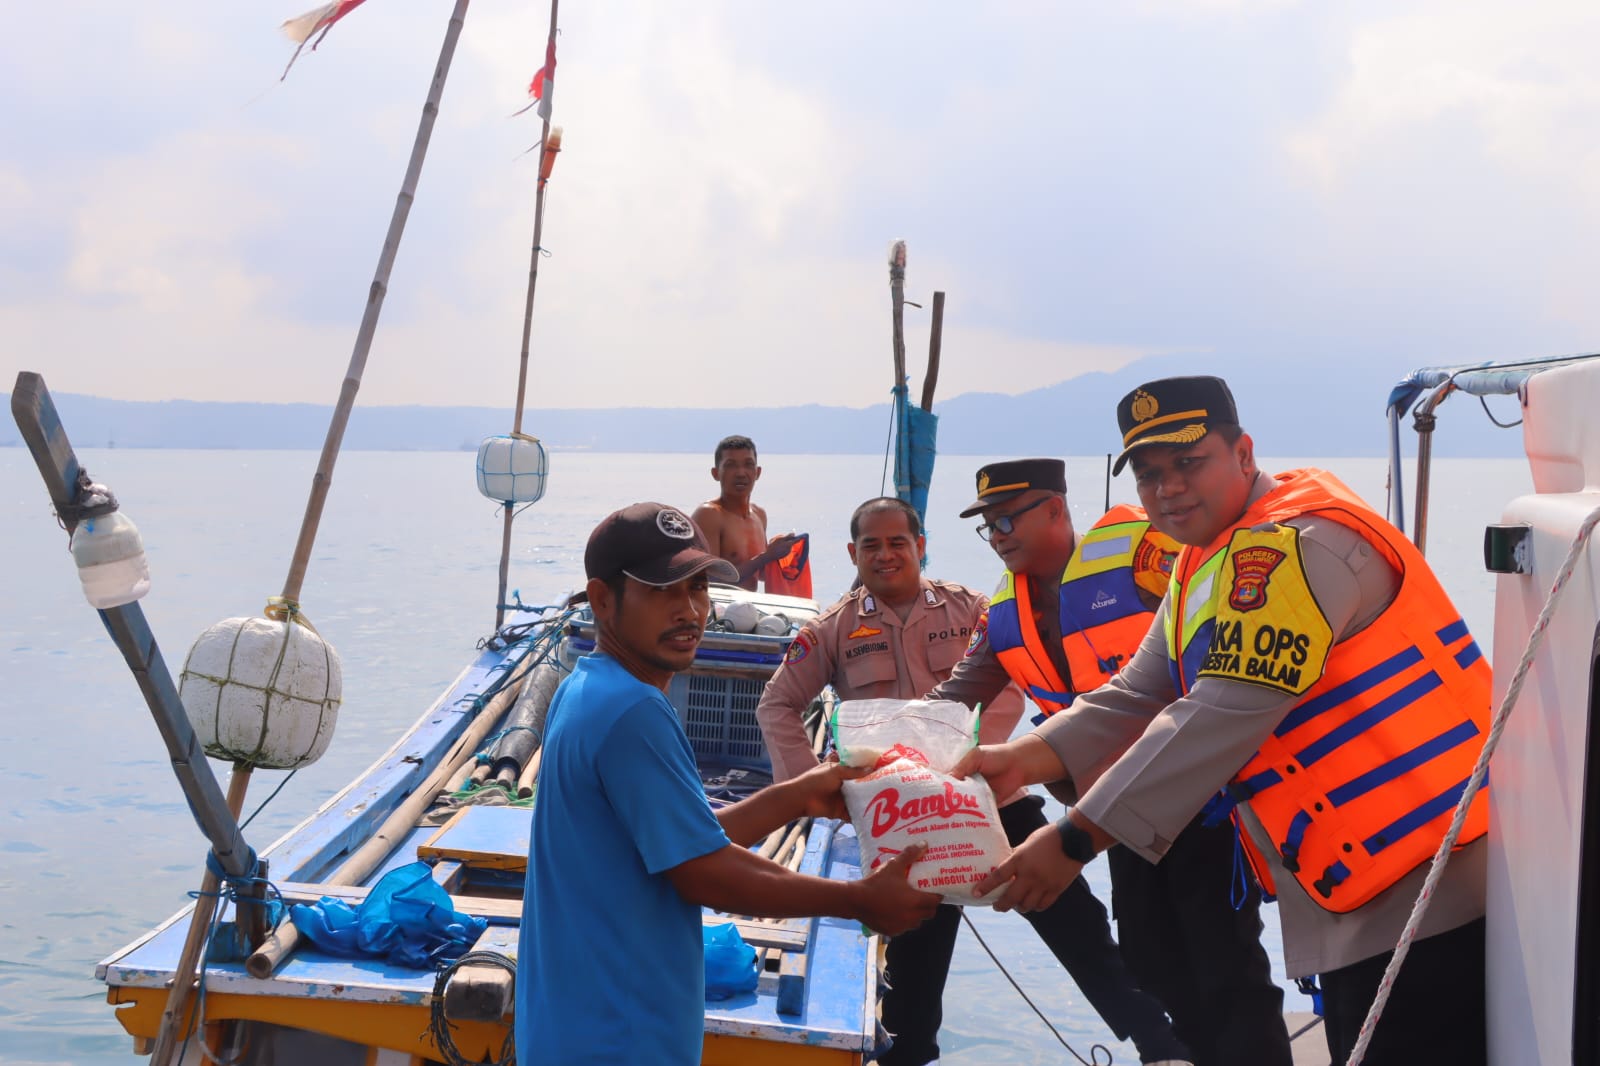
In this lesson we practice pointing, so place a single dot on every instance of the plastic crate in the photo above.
(719, 716)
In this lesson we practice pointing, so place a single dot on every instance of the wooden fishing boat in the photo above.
(279, 998)
(815, 1000)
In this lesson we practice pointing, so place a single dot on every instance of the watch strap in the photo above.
(1076, 843)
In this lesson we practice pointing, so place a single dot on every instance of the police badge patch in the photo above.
(800, 647)
(980, 635)
(1252, 567)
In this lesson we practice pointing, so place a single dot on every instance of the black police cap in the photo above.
(1176, 411)
(999, 482)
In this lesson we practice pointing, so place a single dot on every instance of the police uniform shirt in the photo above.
(865, 651)
(1144, 762)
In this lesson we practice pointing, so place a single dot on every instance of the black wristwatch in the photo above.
(1076, 843)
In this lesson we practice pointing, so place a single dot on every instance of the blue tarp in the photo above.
(915, 450)
(730, 962)
(406, 920)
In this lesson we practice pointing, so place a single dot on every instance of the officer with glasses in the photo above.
(1069, 611)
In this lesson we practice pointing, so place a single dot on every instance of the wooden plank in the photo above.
(484, 838)
(792, 983)
(1308, 1041)
(480, 992)
(449, 875)
(787, 936)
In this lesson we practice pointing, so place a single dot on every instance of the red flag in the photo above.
(303, 27)
(543, 86)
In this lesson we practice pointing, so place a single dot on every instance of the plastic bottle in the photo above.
(111, 562)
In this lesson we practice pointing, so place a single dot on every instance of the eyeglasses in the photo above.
(1006, 523)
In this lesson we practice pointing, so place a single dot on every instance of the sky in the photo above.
(1295, 189)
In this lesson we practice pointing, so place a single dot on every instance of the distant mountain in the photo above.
(1290, 411)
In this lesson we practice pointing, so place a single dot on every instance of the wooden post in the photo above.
(897, 298)
(41, 429)
(547, 150)
(174, 1027)
(935, 341)
(369, 319)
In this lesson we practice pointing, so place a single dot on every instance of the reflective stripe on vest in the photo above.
(1102, 616)
(1357, 785)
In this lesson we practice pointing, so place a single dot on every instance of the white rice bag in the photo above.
(910, 797)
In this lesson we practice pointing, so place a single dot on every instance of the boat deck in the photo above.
(1310, 1047)
(815, 999)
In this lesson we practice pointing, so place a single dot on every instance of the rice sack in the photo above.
(910, 797)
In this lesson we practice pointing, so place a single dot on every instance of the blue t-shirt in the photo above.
(611, 964)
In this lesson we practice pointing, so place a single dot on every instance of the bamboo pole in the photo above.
(547, 152)
(270, 955)
(530, 774)
(369, 319)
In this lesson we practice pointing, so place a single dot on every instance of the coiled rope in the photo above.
(1497, 727)
(439, 1026)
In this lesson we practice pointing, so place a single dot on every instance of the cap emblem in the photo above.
(983, 482)
(1144, 406)
(674, 524)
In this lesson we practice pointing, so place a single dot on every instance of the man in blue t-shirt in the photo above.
(625, 850)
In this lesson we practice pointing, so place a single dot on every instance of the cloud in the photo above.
(1526, 84)
(1277, 181)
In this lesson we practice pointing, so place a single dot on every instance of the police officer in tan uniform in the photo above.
(897, 636)
(1187, 715)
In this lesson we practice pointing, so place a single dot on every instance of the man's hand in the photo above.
(889, 905)
(1037, 872)
(818, 788)
(779, 546)
(998, 764)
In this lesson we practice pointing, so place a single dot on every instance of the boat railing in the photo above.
(1421, 392)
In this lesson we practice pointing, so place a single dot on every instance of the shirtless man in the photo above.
(737, 528)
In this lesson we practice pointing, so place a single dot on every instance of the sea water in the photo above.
(96, 842)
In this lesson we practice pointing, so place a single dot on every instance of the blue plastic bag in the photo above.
(406, 920)
(730, 962)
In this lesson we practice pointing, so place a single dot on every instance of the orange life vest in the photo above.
(791, 575)
(1103, 617)
(1357, 785)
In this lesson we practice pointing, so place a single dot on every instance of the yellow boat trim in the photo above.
(404, 1028)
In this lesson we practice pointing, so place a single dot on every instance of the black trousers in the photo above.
(1187, 944)
(1435, 1012)
(1076, 931)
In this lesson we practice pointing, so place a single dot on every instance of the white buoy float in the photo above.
(512, 468)
(262, 692)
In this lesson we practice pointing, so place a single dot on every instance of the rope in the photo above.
(485, 755)
(283, 609)
(263, 805)
(90, 501)
(1497, 727)
(1095, 1050)
(228, 890)
(888, 446)
(439, 1026)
